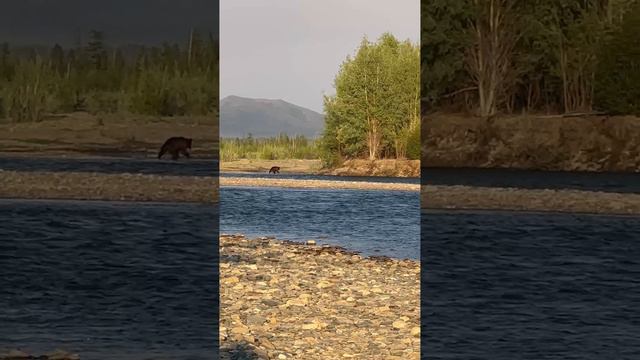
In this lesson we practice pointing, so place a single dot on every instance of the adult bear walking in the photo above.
(274, 169)
(175, 146)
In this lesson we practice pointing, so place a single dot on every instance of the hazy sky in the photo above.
(292, 49)
(44, 22)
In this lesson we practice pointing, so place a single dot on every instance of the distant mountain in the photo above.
(240, 117)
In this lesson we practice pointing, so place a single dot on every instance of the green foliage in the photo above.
(414, 144)
(618, 82)
(443, 44)
(275, 148)
(555, 66)
(376, 102)
(27, 97)
(166, 81)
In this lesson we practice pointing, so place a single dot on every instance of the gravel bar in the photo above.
(289, 300)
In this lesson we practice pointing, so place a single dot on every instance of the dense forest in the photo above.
(544, 56)
(375, 111)
(167, 80)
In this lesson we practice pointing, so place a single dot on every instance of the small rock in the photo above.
(311, 242)
(250, 339)
(282, 356)
(231, 280)
(15, 354)
(415, 331)
(267, 344)
(310, 326)
(399, 324)
(62, 355)
(256, 320)
(270, 302)
(240, 330)
(323, 284)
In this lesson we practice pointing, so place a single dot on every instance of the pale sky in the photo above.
(292, 49)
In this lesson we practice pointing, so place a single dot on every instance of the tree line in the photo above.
(279, 147)
(552, 56)
(374, 113)
(167, 80)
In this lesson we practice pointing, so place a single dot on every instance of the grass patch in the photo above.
(274, 148)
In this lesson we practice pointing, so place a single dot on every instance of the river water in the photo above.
(519, 285)
(113, 165)
(531, 179)
(109, 280)
(530, 286)
(370, 222)
(496, 285)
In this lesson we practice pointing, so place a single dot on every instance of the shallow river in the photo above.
(109, 280)
(530, 286)
(370, 222)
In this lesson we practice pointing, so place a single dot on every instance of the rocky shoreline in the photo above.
(356, 167)
(515, 199)
(285, 300)
(162, 188)
(113, 187)
(54, 355)
(382, 167)
(316, 184)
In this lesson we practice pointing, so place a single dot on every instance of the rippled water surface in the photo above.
(109, 280)
(181, 167)
(371, 222)
(530, 286)
(528, 179)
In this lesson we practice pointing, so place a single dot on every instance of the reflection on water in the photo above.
(372, 222)
(530, 286)
(109, 280)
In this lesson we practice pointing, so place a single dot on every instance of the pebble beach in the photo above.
(287, 300)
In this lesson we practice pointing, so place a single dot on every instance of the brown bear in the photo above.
(175, 146)
(274, 169)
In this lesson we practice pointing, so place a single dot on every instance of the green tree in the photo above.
(102, 79)
(443, 46)
(376, 104)
(618, 81)
(492, 56)
(96, 51)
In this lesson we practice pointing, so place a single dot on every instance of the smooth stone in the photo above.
(399, 324)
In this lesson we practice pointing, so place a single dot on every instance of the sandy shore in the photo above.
(282, 300)
(574, 201)
(316, 184)
(383, 167)
(298, 166)
(85, 134)
(161, 188)
(54, 355)
(98, 186)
